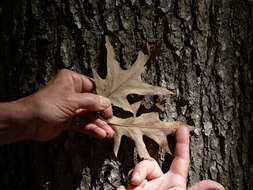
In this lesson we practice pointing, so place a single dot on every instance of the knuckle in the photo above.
(98, 101)
(94, 101)
(104, 102)
(64, 72)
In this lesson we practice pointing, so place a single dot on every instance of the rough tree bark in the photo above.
(206, 58)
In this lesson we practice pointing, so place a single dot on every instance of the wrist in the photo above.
(17, 121)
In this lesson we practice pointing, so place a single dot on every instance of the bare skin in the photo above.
(67, 102)
(147, 175)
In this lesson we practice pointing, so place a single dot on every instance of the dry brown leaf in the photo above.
(120, 83)
(117, 86)
(147, 124)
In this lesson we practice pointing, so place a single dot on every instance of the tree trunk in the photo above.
(206, 59)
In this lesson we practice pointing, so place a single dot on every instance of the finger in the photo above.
(207, 185)
(83, 83)
(121, 188)
(80, 82)
(132, 187)
(83, 117)
(89, 101)
(154, 184)
(93, 130)
(103, 125)
(181, 161)
(107, 113)
(146, 169)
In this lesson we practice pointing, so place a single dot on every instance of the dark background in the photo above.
(206, 58)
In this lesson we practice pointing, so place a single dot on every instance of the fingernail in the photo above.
(105, 102)
(106, 127)
(108, 135)
(109, 129)
(109, 132)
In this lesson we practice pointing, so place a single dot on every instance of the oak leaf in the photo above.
(120, 83)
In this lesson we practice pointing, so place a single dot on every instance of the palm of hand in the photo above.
(170, 181)
(167, 181)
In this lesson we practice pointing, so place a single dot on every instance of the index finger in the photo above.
(83, 83)
(181, 161)
(147, 169)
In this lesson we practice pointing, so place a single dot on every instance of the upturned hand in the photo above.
(147, 175)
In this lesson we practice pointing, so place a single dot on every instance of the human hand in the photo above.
(147, 175)
(67, 102)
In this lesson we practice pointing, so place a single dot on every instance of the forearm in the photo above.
(15, 121)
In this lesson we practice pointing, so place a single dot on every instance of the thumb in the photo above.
(89, 101)
(207, 185)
